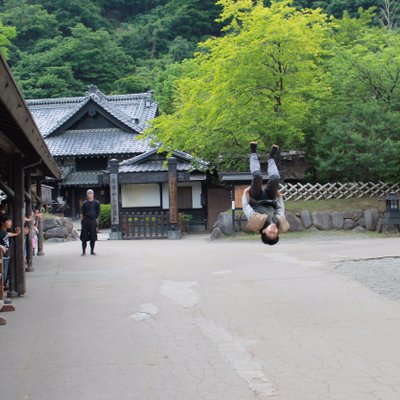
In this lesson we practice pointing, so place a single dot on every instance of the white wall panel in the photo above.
(140, 195)
(196, 194)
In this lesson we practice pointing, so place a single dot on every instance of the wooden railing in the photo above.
(146, 225)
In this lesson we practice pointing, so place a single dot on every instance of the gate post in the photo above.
(174, 232)
(115, 233)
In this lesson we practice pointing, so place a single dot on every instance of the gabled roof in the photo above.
(96, 142)
(147, 162)
(132, 110)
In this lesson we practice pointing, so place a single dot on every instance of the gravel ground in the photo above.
(382, 275)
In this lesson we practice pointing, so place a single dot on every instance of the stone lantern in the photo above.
(392, 212)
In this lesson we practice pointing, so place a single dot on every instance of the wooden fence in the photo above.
(336, 190)
(146, 225)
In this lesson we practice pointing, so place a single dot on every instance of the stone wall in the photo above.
(351, 220)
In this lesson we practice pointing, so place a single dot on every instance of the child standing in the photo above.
(5, 226)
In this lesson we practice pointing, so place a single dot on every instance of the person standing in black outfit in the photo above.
(90, 222)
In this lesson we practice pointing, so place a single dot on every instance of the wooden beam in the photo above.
(28, 238)
(18, 184)
(9, 192)
(6, 145)
(40, 221)
(36, 197)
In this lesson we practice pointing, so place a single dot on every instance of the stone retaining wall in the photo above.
(351, 220)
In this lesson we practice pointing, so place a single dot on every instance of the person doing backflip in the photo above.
(264, 207)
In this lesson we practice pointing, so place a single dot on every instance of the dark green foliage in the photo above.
(105, 216)
(67, 65)
(119, 45)
(62, 46)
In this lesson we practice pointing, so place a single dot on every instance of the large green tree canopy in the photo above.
(261, 81)
(322, 76)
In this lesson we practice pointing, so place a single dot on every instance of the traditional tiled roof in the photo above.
(145, 162)
(96, 142)
(88, 178)
(133, 110)
(65, 170)
(153, 166)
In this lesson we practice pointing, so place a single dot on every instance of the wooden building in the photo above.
(24, 159)
(85, 133)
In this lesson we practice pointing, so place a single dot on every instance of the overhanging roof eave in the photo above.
(16, 106)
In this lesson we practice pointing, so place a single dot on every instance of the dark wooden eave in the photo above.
(18, 127)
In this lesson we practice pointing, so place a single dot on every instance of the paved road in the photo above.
(193, 320)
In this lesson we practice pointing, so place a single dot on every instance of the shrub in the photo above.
(105, 216)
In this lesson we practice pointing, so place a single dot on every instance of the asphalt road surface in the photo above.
(193, 320)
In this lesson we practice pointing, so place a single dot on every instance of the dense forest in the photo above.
(323, 76)
(61, 47)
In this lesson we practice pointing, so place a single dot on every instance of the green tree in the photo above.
(6, 34)
(261, 81)
(86, 57)
(72, 12)
(359, 138)
(32, 22)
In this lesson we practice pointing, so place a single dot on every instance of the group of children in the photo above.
(30, 226)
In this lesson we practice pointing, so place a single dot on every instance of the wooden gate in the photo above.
(146, 225)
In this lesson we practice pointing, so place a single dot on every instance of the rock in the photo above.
(353, 214)
(295, 222)
(349, 224)
(216, 234)
(306, 219)
(67, 223)
(49, 223)
(58, 232)
(322, 220)
(389, 228)
(337, 220)
(379, 225)
(75, 234)
(358, 229)
(361, 222)
(371, 217)
(224, 223)
(313, 229)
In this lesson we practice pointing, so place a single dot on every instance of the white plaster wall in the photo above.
(196, 194)
(146, 195)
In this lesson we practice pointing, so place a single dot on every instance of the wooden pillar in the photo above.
(174, 230)
(115, 233)
(40, 222)
(73, 201)
(17, 269)
(28, 213)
